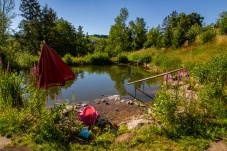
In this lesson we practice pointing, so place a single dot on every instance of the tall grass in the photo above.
(10, 89)
(23, 111)
(24, 60)
(203, 117)
(168, 63)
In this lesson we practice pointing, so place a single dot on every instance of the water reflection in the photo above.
(93, 82)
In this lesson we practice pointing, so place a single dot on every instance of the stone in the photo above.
(114, 97)
(149, 111)
(130, 102)
(122, 101)
(125, 137)
(136, 122)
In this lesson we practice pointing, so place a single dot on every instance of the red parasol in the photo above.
(52, 70)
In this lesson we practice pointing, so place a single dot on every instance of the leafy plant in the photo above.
(68, 59)
(208, 35)
(144, 59)
(122, 58)
(10, 89)
(98, 59)
(180, 116)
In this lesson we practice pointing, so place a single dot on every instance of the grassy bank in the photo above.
(179, 123)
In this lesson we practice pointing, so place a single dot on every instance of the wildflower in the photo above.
(29, 81)
(168, 78)
(0, 62)
(7, 69)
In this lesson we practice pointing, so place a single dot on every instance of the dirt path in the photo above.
(217, 146)
(4, 141)
(118, 110)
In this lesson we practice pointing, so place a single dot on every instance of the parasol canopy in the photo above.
(52, 70)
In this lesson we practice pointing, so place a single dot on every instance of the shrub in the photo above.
(144, 59)
(135, 57)
(68, 59)
(202, 117)
(208, 35)
(98, 59)
(122, 58)
(214, 75)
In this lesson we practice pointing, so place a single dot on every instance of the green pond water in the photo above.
(93, 82)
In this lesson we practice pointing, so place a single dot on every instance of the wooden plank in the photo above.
(154, 76)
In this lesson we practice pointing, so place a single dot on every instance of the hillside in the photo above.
(188, 55)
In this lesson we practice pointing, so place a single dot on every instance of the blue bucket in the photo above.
(84, 133)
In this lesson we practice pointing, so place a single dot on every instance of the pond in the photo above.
(94, 82)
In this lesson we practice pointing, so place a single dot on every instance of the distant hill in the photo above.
(100, 36)
(96, 37)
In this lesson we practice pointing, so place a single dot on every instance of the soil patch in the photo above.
(4, 141)
(118, 110)
(217, 146)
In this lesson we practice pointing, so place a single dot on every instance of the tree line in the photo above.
(42, 23)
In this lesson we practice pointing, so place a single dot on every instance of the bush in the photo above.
(144, 59)
(208, 35)
(213, 74)
(202, 117)
(98, 59)
(135, 57)
(122, 58)
(68, 59)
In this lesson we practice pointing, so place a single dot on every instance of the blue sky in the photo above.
(97, 16)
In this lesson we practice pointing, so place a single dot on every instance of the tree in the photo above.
(48, 19)
(179, 30)
(184, 25)
(139, 32)
(196, 19)
(38, 25)
(80, 43)
(100, 45)
(192, 33)
(120, 35)
(167, 38)
(30, 9)
(6, 15)
(176, 27)
(222, 23)
(62, 38)
(208, 34)
(168, 24)
(154, 37)
(30, 27)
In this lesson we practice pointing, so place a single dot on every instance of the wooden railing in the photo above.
(154, 76)
(141, 80)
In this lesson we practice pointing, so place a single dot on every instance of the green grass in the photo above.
(202, 121)
(194, 54)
